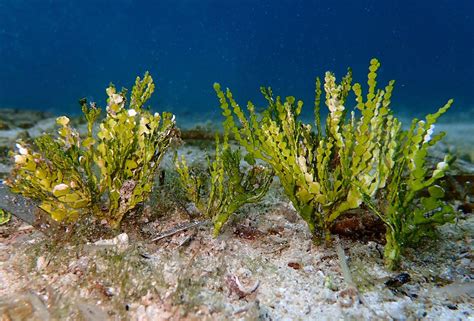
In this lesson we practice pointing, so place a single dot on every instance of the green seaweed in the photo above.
(359, 157)
(5, 216)
(413, 203)
(106, 174)
(229, 186)
(318, 168)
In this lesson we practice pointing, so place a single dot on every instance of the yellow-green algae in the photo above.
(104, 174)
(229, 186)
(363, 159)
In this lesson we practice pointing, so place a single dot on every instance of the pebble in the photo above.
(121, 241)
(192, 210)
(41, 263)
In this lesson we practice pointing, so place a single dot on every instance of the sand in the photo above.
(263, 267)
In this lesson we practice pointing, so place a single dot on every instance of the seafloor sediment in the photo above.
(264, 266)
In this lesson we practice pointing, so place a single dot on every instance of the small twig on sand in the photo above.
(347, 273)
(178, 229)
(343, 262)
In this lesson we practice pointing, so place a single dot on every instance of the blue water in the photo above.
(54, 52)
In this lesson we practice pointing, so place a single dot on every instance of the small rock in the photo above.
(122, 238)
(120, 241)
(398, 280)
(192, 210)
(41, 263)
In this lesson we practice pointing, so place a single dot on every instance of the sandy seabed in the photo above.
(264, 266)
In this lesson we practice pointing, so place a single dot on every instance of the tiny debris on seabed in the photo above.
(231, 278)
(121, 242)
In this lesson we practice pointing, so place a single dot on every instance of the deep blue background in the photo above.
(54, 52)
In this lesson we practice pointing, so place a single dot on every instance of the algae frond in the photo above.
(360, 158)
(105, 174)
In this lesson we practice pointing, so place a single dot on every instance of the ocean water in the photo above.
(54, 52)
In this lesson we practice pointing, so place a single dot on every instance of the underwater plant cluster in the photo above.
(106, 173)
(357, 159)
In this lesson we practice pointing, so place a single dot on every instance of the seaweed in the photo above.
(229, 186)
(361, 158)
(413, 205)
(318, 169)
(105, 174)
